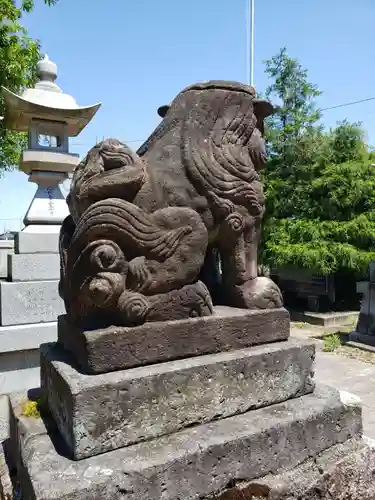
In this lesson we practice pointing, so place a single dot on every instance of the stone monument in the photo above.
(152, 391)
(365, 328)
(29, 300)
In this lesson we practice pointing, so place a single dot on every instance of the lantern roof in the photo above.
(46, 101)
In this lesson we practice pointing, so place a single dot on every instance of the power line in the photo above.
(323, 109)
(349, 103)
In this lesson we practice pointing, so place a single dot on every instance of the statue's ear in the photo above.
(163, 110)
(262, 108)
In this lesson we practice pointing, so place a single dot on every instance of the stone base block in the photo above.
(99, 413)
(343, 472)
(117, 348)
(29, 302)
(32, 242)
(33, 267)
(189, 464)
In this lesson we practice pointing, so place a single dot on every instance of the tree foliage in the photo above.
(320, 185)
(18, 57)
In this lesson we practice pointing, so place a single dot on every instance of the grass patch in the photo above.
(331, 342)
(299, 324)
(31, 409)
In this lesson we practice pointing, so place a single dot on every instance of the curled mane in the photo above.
(221, 146)
(222, 163)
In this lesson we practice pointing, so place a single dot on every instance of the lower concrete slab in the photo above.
(29, 302)
(19, 354)
(190, 464)
(98, 413)
(33, 267)
(117, 348)
(25, 337)
(328, 319)
(19, 370)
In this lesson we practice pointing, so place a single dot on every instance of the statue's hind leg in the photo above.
(241, 286)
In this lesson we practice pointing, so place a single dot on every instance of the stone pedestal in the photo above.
(206, 423)
(365, 329)
(29, 304)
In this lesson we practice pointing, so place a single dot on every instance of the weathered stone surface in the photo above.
(4, 417)
(343, 472)
(31, 267)
(117, 348)
(98, 413)
(189, 464)
(29, 302)
(36, 242)
(6, 485)
(144, 225)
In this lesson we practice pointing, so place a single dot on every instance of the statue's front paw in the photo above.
(139, 277)
(258, 293)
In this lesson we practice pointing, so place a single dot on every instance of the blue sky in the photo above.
(136, 55)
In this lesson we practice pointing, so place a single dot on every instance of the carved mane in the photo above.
(221, 150)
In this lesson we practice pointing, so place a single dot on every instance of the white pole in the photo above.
(252, 9)
(248, 40)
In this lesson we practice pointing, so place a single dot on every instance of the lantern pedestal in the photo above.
(48, 208)
(29, 299)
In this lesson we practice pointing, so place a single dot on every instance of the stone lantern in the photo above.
(50, 117)
(29, 299)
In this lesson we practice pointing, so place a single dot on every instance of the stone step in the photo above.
(26, 337)
(189, 464)
(19, 370)
(30, 242)
(119, 348)
(19, 354)
(34, 267)
(29, 302)
(98, 413)
(343, 472)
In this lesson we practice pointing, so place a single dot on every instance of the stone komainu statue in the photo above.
(144, 228)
